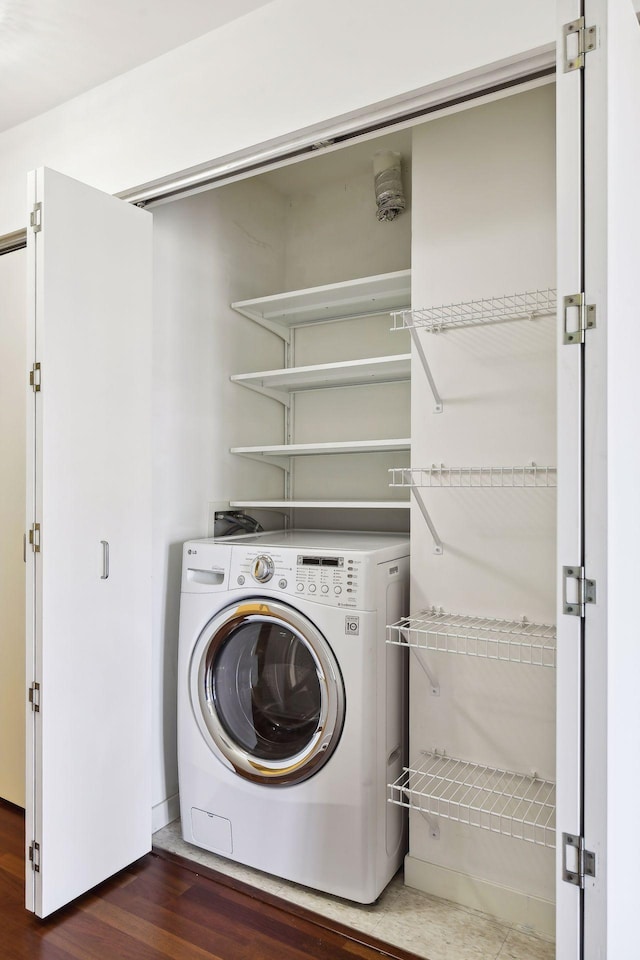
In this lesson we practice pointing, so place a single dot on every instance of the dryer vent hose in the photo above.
(387, 175)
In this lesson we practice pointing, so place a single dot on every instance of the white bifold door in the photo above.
(89, 538)
(599, 500)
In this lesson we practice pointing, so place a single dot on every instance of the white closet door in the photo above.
(612, 478)
(569, 680)
(88, 587)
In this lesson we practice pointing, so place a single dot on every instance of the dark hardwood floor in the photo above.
(160, 908)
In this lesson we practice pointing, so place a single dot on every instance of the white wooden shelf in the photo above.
(364, 297)
(322, 504)
(508, 640)
(280, 384)
(517, 306)
(281, 314)
(527, 475)
(280, 453)
(513, 804)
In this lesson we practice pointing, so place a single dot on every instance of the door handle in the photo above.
(105, 559)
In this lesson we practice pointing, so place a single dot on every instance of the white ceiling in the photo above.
(53, 50)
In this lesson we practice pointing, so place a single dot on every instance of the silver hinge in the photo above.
(584, 591)
(35, 218)
(35, 377)
(34, 537)
(578, 41)
(582, 862)
(34, 697)
(575, 305)
(34, 856)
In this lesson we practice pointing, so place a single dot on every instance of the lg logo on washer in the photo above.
(352, 625)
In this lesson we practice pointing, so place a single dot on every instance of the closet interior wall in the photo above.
(208, 250)
(306, 225)
(484, 226)
(331, 235)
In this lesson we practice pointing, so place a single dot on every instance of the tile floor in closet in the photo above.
(429, 927)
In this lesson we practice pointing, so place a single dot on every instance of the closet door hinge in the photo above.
(35, 377)
(34, 537)
(35, 218)
(578, 41)
(34, 697)
(583, 592)
(575, 306)
(583, 862)
(34, 856)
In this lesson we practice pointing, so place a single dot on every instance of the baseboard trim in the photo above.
(165, 812)
(535, 914)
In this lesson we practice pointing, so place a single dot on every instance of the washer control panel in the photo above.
(325, 576)
(330, 579)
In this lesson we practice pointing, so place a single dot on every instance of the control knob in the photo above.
(262, 569)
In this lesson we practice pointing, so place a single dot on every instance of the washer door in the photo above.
(267, 692)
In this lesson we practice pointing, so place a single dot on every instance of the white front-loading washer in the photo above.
(291, 707)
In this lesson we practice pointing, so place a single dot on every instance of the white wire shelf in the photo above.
(513, 804)
(527, 475)
(473, 313)
(508, 640)
(364, 297)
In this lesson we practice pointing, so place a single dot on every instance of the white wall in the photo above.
(290, 65)
(332, 234)
(484, 225)
(13, 416)
(208, 251)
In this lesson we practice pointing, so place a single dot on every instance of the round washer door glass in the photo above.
(268, 692)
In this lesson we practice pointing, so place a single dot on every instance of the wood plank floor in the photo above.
(162, 909)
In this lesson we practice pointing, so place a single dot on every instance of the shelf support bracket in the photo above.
(427, 369)
(434, 828)
(280, 396)
(438, 548)
(282, 462)
(433, 683)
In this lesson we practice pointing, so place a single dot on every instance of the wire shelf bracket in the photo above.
(513, 804)
(434, 827)
(438, 548)
(433, 683)
(427, 370)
